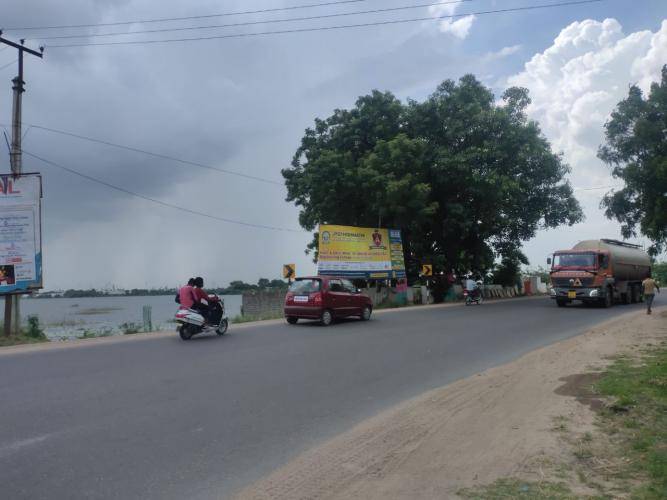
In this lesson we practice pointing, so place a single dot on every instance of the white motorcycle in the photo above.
(191, 322)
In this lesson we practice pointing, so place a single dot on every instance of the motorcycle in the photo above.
(191, 322)
(473, 296)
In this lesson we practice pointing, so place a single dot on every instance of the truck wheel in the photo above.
(627, 296)
(608, 300)
(635, 294)
(561, 303)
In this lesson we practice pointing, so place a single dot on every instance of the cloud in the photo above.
(574, 85)
(460, 28)
(502, 53)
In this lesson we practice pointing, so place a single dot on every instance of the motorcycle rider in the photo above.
(186, 296)
(201, 298)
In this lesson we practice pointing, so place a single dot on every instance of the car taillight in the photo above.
(316, 298)
(289, 298)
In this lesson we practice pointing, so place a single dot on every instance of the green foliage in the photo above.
(33, 329)
(659, 271)
(636, 148)
(129, 328)
(508, 272)
(463, 178)
(638, 417)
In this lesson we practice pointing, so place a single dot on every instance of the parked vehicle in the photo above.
(191, 322)
(325, 298)
(599, 272)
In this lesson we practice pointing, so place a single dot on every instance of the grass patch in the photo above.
(31, 333)
(511, 488)
(262, 317)
(637, 418)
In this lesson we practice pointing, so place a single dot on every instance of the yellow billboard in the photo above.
(360, 252)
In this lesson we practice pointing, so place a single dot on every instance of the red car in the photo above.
(325, 298)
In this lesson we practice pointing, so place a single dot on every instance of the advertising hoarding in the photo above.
(360, 252)
(20, 233)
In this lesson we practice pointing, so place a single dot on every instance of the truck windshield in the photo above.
(574, 260)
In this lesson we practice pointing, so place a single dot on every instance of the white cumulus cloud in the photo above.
(460, 28)
(574, 85)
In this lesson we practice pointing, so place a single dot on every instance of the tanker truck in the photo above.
(599, 272)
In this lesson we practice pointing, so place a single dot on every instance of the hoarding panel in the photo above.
(360, 252)
(20, 233)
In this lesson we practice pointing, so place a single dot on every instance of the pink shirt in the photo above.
(186, 296)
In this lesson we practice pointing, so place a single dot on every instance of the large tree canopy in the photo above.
(465, 179)
(636, 148)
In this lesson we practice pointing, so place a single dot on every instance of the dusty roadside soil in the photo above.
(496, 424)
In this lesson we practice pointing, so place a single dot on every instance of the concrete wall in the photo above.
(257, 304)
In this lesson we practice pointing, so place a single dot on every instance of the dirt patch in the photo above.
(581, 388)
(509, 421)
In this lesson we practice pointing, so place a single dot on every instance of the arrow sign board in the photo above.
(427, 270)
(289, 271)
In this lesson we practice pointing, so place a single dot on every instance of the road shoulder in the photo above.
(499, 423)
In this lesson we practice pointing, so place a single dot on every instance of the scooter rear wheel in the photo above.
(184, 332)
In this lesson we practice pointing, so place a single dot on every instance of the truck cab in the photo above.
(598, 272)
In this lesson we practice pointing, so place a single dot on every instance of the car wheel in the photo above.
(366, 313)
(327, 318)
(561, 303)
(292, 320)
(222, 327)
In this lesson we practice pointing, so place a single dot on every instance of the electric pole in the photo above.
(12, 305)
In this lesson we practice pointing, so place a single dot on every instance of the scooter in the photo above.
(473, 296)
(191, 322)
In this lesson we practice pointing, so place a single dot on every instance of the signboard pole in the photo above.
(12, 304)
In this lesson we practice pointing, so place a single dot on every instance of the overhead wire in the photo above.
(155, 200)
(8, 64)
(251, 23)
(327, 28)
(189, 18)
(156, 155)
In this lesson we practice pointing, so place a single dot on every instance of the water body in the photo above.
(70, 318)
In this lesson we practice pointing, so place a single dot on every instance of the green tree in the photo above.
(465, 179)
(636, 148)
(660, 273)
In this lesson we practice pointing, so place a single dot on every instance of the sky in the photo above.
(242, 104)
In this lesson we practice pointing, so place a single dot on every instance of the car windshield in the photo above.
(574, 260)
(305, 286)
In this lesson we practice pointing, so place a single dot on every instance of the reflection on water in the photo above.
(70, 318)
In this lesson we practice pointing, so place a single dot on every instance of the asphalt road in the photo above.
(165, 419)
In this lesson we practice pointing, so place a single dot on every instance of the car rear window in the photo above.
(305, 286)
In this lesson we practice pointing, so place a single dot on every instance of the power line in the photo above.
(154, 200)
(252, 23)
(328, 28)
(156, 155)
(8, 64)
(189, 18)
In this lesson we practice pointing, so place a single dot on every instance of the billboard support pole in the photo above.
(12, 305)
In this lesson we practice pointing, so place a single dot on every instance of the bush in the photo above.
(33, 330)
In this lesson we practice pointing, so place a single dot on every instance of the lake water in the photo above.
(69, 318)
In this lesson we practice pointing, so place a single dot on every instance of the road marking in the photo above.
(8, 449)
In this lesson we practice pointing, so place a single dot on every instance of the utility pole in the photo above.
(12, 304)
